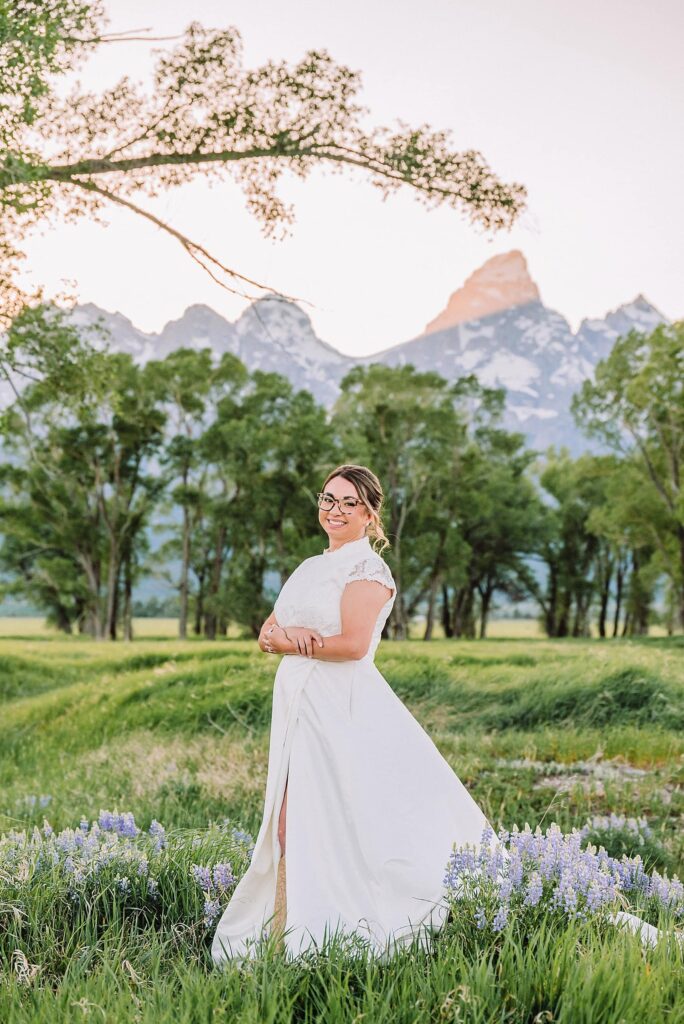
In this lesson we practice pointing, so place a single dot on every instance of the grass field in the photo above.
(511, 629)
(177, 732)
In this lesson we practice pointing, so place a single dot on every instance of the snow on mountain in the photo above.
(129, 339)
(597, 337)
(513, 341)
(273, 335)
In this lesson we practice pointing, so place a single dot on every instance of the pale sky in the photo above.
(581, 101)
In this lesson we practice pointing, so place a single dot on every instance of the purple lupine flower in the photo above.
(515, 868)
(594, 896)
(123, 824)
(242, 837)
(500, 918)
(212, 908)
(107, 821)
(202, 876)
(159, 832)
(535, 889)
(223, 876)
(126, 825)
(578, 881)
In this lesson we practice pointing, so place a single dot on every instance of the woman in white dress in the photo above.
(357, 794)
(368, 805)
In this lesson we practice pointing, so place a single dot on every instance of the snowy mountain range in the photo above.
(495, 326)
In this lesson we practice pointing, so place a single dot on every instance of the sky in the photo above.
(582, 102)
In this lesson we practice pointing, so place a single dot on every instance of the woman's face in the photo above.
(348, 524)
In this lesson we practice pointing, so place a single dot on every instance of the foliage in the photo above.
(636, 404)
(228, 462)
(207, 115)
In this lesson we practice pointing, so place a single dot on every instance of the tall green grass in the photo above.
(178, 731)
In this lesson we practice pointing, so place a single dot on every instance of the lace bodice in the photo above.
(311, 595)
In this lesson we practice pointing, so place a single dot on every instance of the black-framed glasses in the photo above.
(327, 502)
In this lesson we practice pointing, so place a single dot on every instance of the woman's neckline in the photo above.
(348, 544)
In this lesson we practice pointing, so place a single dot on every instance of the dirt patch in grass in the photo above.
(220, 765)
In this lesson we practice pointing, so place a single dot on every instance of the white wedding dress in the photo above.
(373, 809)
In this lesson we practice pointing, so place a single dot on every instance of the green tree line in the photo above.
(102, 456)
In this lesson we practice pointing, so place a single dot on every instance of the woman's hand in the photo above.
(275, 640)
(266, 637)
(304, 639)
(293, 640)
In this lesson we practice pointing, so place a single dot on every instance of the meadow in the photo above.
(175, 734)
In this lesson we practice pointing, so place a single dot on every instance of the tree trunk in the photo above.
(639, 600)
(128, 599)
(112, 589)
(680, 534)
(446, 613)
(550, 624)
(211, 620)
(430, 616)
(116, 603)
(62, 620)
(619, 583)
(185, 574)
(464, 619)
(199, 605)
(92, 616)
(563, 617)
(485, 601)
(604, 596)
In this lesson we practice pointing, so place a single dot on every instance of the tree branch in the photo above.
(657, 482)
(119, 37)
(196, 251)
(66, 172)
(333, 153)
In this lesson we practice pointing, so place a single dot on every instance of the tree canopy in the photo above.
(636, 405)
(205, 114)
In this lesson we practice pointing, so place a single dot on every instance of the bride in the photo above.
(370, 808)
(361, 810)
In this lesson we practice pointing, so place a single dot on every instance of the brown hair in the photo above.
(370, 493)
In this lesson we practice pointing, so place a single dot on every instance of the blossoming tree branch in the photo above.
(205, 114)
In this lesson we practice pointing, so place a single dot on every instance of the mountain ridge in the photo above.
(522, 345)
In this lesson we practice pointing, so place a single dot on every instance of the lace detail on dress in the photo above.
(371, 569)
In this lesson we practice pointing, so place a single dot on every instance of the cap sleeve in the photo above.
(371, 568)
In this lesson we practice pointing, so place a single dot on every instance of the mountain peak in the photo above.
(503, 281)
